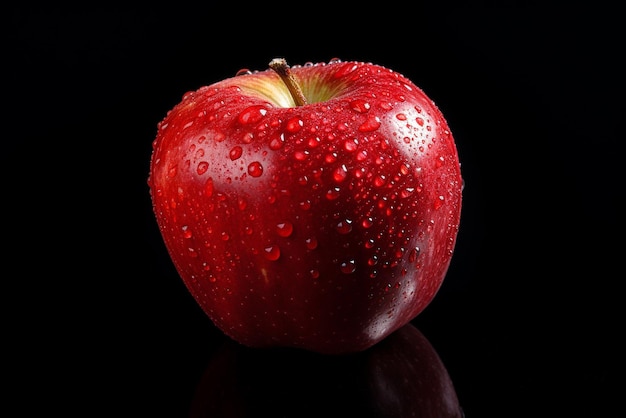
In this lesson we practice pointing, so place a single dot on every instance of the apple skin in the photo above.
(402, 376)
(324, 226)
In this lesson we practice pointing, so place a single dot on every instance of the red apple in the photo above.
(315, 206)
(402, 376)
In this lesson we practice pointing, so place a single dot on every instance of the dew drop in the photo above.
(438, 202)
(401, 116)
(348, 267)
(413, 254)
(344, 227)
(372, 123)
(333, 193)
(340, 174)
(235, 152)
(243, 71)
(359, 105)
(255, 169)
(294, 125)
(203, 166)
(277, 142)
(350, 145)
(272, 252)
(172, 171)
(247, 137)
(284, 229)
(380, 181)
(252, 114)
(367, 222)
(420, 121)
(330, 157)
(344, 70)
(407, 192)
(208, 187)
(186, 232)
(314, 273)
(300, 155)
(311, 243)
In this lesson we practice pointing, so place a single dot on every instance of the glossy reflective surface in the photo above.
(401, 377)
(529, 320)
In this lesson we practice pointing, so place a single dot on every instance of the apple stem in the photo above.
(282, 69)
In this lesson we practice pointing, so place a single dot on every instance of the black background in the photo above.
(529, 321)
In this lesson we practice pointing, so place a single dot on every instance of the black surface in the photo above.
(529, 320)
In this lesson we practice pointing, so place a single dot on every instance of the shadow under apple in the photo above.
(402, 376)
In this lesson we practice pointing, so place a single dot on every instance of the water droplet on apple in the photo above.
(371, 124)
(333, 193)
(301, 155)
(311, 243)
(277, 142)
(235, 152)
(340, 174)
(345, 70)
(372, 261)
(203, 166)
(407, 192)
(252, 114)
(243, 71)
(413, 254)
(438, 202)
(419, 120)
(401, 116)
(255, 169)
(247, 137)
(344, 227)
(208, 187)
(359, 105)
(294, 125)
(380, 180)
(284, 229)
(314, 273)
(351, 145)
(186, 232)
(330, 157)
(272, 252)
(348, 267)
(367, 222)
(172, 171)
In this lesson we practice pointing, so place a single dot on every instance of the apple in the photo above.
(315, 206)
(402, 376)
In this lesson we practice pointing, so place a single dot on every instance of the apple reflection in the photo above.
(402, 376)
